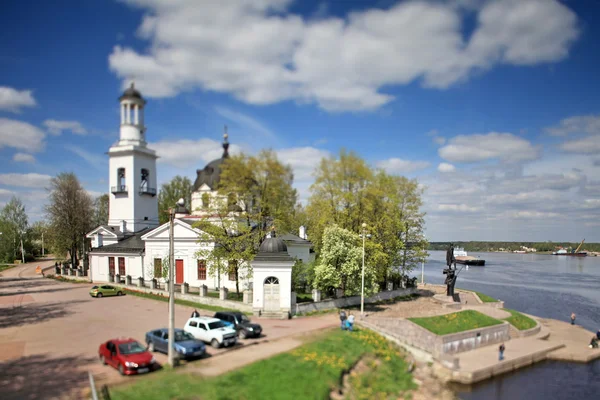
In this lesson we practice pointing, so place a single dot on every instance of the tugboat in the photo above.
(575, 253)
(461, 257)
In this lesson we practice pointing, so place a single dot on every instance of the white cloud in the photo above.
(13, 100)
(445, 167)
(461, 208)
(96, 160)
(503, 146)
(439, 140)
(533, 214)
(22, 157)
(262, 54)
(21, 135)
(31, 180)
(187, 153)
(587, 145)
(400, 166)
(303, 160)
(57, 127)
(589, 124)
(245, 121)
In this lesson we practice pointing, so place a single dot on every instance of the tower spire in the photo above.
(225, 143)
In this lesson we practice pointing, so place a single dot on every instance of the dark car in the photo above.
(127, 355)
(185, 344)
(240, 323)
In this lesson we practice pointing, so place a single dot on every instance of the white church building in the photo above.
(134, 244)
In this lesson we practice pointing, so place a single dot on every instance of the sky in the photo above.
(493, 106)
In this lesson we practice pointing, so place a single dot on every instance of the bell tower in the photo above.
(133, 204)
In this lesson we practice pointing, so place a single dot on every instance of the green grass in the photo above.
(485, 298)
(519, 321)
(5, 267)
(186, 303)
(310, 371)
(63, 279)
(230, 295)
(357, 307)
(455, 322)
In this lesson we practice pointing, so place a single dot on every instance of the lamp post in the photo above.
(363, 235)
(171, 354)
(423, 269)
(22, 251)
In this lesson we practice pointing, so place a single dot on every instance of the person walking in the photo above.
(573, 316)
(598, 334)
(501, 352)
(343, 319)
(350, 322)
(195, 314)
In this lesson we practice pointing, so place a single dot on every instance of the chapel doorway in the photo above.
(178, 272)
(271, 288)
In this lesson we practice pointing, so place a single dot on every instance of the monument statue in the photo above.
(450, 272)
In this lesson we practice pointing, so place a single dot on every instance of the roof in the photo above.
(211, 174)
(111, 228)
(290, 237)
(203, 319)
(132, 243)
(131, 93)
(121, 340)
(166, 330)
(273, 249)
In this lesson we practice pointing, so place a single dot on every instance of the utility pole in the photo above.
(171, 343)
(22, 252)
(42, 243)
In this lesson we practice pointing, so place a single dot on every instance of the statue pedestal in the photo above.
(447, 301)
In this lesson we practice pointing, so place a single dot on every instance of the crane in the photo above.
(579, 247)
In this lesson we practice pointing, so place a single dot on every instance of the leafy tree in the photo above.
(179, 187)
(303, 276)
(39, 235)
(14, 226)
(101, 204)
(340, 263)
(70, 214)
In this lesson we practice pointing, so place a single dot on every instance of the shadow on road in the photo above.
(25, 283)
(33, 313)
(42, 377)
(36, 291)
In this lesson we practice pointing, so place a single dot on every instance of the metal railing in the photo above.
(103, 391)
(148, 190)
(118, 189)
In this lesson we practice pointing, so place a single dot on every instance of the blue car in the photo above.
(186, 345)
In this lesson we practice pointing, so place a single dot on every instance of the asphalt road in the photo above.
(50, 332)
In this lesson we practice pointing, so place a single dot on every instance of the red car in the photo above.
(127, 355)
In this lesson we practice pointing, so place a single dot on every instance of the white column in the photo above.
(128, 112)
(135, 110)
(122, 114)
(141, 116)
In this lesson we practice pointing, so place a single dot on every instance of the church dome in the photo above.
(273, 245)
(131, 93)
(211, 174)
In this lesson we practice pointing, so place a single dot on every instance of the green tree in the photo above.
(14, 226)
(101, 204)
(70, 212)
(340, 263)
(179, 187)
(39, 235)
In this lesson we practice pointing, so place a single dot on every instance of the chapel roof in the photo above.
(131, 243)
(211, 174)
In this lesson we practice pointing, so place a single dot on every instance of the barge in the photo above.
(461, 257)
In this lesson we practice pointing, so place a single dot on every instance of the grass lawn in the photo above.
(455, 322)
(230, 295)
(310, 371)
(187, 303)
(519, 321)
(5, 267)
(485, 298)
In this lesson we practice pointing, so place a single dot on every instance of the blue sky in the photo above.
(492, 105)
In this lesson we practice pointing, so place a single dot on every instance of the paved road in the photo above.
(50, 332)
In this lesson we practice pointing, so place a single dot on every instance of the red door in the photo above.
(122, 266)
(178, 271)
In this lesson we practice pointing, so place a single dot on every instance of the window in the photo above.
(232, 270)
(121, 266)
(193, 324)
(111, 265)
(202, 326)
(271, 281)
(157, 268)
(121, 178)
(205, 200)
(202, 270)
(145, 175)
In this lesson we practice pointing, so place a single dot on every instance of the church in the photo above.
(134, 244)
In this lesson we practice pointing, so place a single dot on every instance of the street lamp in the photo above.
(363, 235)
(172, 211)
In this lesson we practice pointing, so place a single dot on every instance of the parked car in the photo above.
(211, 330)
(105, 290)
(127, 355)
(241, 323)
(185, 344)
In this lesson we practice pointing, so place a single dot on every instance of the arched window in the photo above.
(144, 182)
(121, 178)
(271, 280)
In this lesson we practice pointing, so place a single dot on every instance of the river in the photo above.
(544, 285)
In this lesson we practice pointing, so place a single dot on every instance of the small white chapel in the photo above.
(134, 244)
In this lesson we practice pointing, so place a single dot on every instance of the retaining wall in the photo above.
(351, 301)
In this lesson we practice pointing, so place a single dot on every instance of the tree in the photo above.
(303, 276)
(70, 214)
(340, 263)
(179, 187)
(101, 204)
(13, 225)
(39, 235)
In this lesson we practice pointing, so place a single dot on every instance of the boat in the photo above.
(574, 253)
(461, 257)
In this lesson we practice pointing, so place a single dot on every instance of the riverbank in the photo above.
(549, 340)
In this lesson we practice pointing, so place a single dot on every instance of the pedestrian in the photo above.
(598, 334)
(195, 314)
(501, 352)
(573, 316)
(343, 319)
(350, 324)
(594, 343)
